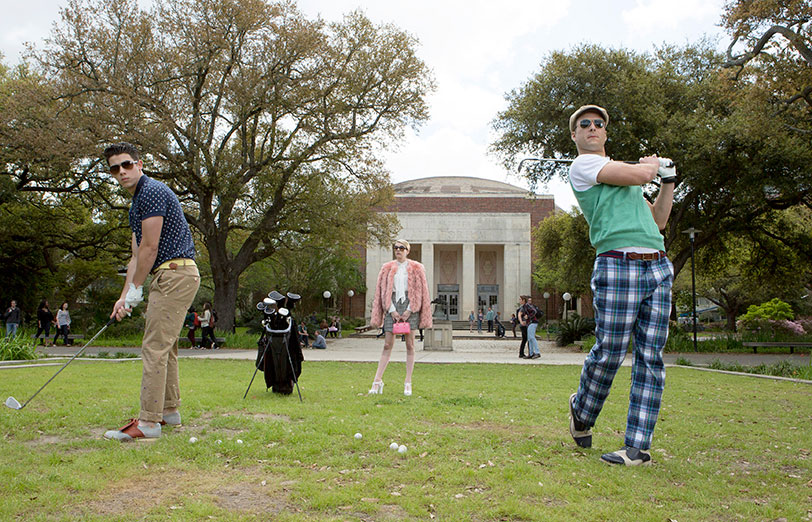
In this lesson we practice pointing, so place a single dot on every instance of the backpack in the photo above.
(531, 312)
(197, 321)
(212, 319)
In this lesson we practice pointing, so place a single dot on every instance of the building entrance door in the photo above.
(487, 295)
(448, 299)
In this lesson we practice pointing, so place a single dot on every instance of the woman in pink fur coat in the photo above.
(401, 294)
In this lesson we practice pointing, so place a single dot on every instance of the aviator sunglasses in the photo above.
(399, 247)
(126, 165)
(599, 124)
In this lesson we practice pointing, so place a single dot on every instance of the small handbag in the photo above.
(401, 328)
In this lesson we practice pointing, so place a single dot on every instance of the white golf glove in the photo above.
(134, 296)
(667, 170)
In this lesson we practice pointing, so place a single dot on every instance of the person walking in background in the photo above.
(479, 318)
(471, 319)
(631, 283)
(191, 322)
(207, 339)
(531, 320)
(62, 324)
(513, 323)
(522, 325)
(401, 295)
(13, 317)
(162, 245)
(45, 318)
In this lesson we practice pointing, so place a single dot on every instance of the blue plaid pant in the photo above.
(631, 299)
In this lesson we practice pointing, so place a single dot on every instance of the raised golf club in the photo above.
(665, 163)
(14, 404)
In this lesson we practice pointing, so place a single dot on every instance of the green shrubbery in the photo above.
(773, 321)
(573, 329)
(779, 369)
(17, 348)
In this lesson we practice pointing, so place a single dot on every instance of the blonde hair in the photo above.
(404, 243)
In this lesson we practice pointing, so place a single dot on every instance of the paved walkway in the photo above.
(466, 350)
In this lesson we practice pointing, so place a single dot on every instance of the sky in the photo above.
(478, 52)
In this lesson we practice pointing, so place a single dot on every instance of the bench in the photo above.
(756, 344)
(220, 341)
(362, 329)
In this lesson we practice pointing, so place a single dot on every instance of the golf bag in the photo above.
(276, 345)
(279, 354)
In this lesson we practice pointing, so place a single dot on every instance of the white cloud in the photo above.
(649, 17)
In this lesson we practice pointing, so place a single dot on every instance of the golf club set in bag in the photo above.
(279, 354)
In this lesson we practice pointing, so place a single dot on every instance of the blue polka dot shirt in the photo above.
(153, 198)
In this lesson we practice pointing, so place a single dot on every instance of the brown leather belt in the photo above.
(634, 256)
(173, 264)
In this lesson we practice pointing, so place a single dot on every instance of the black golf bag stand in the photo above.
(279, 357)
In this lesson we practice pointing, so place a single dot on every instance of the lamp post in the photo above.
(326, 295)
(546, 296)
(350, 293)
(692, 232)
(566, 297)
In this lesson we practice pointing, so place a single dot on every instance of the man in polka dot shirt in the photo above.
(162, 245)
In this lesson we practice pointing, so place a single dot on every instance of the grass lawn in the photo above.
(485, 442)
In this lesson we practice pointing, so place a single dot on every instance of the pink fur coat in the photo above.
(418, 288)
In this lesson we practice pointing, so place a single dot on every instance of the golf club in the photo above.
(14, 404)
(259, 364)
(665, 163)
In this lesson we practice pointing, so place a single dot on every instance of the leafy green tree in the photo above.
(265, 123)
(771, 47)
(735, 166)
(565, 257)
(745, 269)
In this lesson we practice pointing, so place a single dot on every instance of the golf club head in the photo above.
(276, 296)
(283, 312)
(260, 306)
(12, 403)
(291, 300)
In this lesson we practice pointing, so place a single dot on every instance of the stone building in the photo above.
(474, 237)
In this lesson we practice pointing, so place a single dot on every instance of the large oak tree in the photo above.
(736, 166)
(265, 123)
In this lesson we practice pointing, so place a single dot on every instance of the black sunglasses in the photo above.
(399, 247)
(599, 124)
(126, 165)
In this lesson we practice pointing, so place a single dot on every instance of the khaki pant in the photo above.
(170, 295)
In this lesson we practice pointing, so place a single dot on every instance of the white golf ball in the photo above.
(192, 439)
(239, 441)
(219, 441)
(401, 449)
(358, 436)
(393, 446)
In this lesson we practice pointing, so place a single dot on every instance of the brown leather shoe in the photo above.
(131, 432)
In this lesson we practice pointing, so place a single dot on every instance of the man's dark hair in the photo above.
(121, 148)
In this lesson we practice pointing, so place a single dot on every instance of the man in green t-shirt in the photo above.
(631, 283)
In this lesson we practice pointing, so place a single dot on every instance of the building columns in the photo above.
(427, 255)
(468, 287)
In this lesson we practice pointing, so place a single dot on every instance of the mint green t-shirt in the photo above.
(618, 216)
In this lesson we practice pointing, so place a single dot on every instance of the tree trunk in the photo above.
(226, 284)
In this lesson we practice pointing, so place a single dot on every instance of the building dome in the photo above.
(450, 186)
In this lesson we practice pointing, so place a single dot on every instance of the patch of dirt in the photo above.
(504, 430)
(242, 492)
